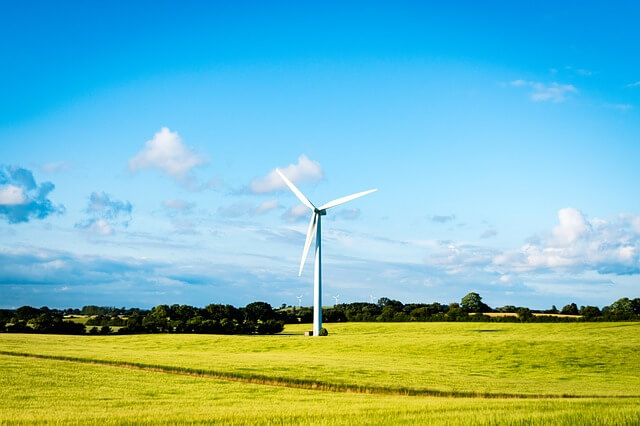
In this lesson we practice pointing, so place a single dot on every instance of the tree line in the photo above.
(262, 318)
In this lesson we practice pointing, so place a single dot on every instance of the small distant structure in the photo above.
(373, 299)
(299, 301)
(336, 297)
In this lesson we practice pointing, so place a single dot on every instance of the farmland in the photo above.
(370, 372)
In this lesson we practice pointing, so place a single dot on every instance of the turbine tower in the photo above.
(336, 297)
(314, 229)
(299, 301)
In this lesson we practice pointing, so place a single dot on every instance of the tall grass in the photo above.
(580, 359)
(36, 390)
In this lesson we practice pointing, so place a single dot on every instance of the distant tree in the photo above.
(507, 309)
(621, 309)
(590, 312)
(270, 327)
(105, 329)
(25, 313)
(553, 310)
(524, 314)
(219, 312)
(387, 314)
(456, 313)
(571, 309)
(472, 302)
(18, 327)
(157, 321)
(395, 304)
(259, 311)
(333, 315)
(382, 302)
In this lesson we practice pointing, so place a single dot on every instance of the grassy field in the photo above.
(453, 373)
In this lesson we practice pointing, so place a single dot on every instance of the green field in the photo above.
(451, 373)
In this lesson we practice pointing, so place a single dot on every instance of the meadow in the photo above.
(447, 373)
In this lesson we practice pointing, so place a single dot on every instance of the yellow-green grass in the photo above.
(49, 391)
(575, 359)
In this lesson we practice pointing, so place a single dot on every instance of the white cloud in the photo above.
(489, 233)
(573, 225)
(349, 214)
(100, 227)
(55, 167)
(304, 170)
(636, 84)
(11, 195)
(580, 71)
(297, 213)
(553, 92)
(267, 206)
(249, 209)
(168, 153)
(178, 205)
(105, 213)
(577, 244)
(443, 218)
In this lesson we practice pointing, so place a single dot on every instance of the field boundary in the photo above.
(301, 383)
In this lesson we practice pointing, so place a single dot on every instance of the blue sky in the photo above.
(138, 143)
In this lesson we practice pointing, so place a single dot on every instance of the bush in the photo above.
(270, 327)
(323, 332)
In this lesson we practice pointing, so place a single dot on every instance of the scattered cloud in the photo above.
(105, 214)
(636, 84)
(236, 210)
(349, 214)
(248, 209)
(580, 71)
(443, 219)
(22, 199)
(49, 267)
(167, 153)
(267, 206)
(178, 205)
(305, 170)
(489, 233)
(55, 167)
(577, 244)
(621, 107)
(541, 92)
(462, 258)
(11, 195)
(297, 213)
(575, 248)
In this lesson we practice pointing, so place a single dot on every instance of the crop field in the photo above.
(376, 373)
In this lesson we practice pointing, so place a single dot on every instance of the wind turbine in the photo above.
(299, 301)
(372, 298)
(336, 297)
(314, 229)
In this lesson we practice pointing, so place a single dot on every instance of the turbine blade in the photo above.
(296, 191)
(343, 200)
(310, 233)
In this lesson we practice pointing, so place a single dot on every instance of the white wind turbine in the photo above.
(299, 301)
(336, 297)
(314, 229)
